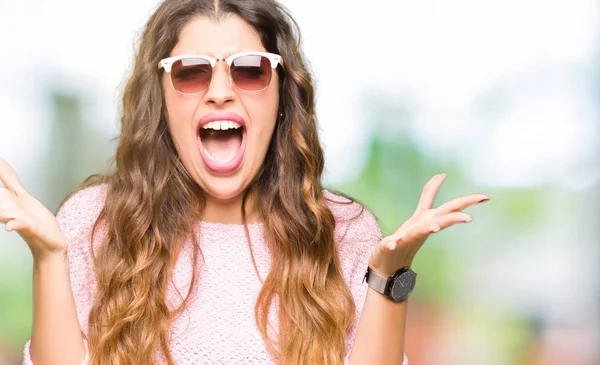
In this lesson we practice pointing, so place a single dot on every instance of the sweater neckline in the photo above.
(206, 224)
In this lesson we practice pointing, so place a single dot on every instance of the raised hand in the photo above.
(23, 213)
(398, 250)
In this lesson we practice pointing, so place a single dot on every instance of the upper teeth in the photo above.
(221, 124)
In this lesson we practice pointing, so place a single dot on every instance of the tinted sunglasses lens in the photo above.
(251, 73)
(191, 75)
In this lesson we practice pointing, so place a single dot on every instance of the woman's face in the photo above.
(222, 162)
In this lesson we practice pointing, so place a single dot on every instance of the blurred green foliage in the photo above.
(389, 185)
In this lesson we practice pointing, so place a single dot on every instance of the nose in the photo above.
(220, 91)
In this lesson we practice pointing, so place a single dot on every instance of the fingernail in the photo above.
(468, 220)
(484, 200)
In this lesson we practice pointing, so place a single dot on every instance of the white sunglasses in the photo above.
(248, 71)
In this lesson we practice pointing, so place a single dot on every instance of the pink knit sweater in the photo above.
(218, 327)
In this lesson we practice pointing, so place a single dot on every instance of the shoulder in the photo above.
(78, 213)
(353, 221)
(357, 233)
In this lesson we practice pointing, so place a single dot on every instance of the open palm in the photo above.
(23, 213)
(399, 249)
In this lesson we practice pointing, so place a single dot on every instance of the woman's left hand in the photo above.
(398, 250)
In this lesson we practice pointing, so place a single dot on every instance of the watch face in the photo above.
(402, 285)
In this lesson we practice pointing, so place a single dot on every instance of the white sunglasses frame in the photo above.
(166, 63)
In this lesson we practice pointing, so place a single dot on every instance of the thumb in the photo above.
(20, 225)
(394, 239)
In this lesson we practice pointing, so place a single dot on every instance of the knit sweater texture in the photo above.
(218, 327)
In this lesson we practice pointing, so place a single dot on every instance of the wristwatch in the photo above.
(396, 287)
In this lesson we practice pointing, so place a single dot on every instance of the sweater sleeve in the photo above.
(357, 233)
(76, 218)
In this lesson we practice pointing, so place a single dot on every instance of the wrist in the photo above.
(396, 286)
(388, 271)
(50, 258)
(387, 267)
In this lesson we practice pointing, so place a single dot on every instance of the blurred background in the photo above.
(501, 95)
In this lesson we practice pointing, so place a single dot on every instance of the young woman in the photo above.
(213, 241)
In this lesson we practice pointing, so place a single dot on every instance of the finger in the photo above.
(436, 224)
(391, 241)
(24, 226)
(461, 203)
(446, 220)
(6, 197)
(429, 192)
(8, 209)
(9, 179)
(19, 225)
(5, 218)
(417, 233)
(12, 225)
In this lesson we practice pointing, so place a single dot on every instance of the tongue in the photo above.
(222, 145)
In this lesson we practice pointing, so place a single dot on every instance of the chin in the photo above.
(224, 188)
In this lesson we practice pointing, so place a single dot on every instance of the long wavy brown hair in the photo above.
(150, 196)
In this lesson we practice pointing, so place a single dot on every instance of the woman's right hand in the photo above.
(23, 213)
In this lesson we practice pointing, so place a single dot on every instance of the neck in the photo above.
(229, 211)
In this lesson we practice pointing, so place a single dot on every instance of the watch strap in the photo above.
(376, 281)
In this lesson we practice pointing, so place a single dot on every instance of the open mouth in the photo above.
(222, 145)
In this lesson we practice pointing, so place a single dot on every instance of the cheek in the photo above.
(263, 109)
(179, 112)
(264, 116)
